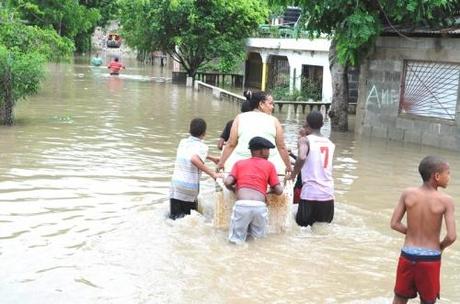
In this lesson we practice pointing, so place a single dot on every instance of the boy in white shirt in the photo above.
(185, 182)
(314, 161)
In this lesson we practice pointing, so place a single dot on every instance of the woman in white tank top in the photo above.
(258, 122)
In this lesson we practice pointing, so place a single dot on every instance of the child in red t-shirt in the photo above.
(249, 179)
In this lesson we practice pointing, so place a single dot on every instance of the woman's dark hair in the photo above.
(197, 127)
(255, 98)
(245, 106)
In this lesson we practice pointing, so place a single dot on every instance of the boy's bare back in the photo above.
(425, 210)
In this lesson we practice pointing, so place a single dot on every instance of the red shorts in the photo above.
(418, 274)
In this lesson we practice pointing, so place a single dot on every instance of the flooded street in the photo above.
(84, 177)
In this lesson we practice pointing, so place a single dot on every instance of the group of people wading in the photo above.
(255, 155)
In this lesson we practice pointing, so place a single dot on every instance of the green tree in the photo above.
(24, 50)
(108, 9)
(192, 31)
(354, 25)
(69, 18)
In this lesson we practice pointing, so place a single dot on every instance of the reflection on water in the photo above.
(84, 179)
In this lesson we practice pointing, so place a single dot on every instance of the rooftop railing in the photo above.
(279, 31)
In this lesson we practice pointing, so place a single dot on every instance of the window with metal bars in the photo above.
(430, 89)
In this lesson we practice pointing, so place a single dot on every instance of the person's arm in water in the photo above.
(449, 218)
(197, 162)
(231, 144)
(230, 183)
(281, 146)
(398, 215)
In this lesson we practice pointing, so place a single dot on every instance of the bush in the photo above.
(310, 90)
(280, 93)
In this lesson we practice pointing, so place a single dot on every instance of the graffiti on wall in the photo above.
(382, 97)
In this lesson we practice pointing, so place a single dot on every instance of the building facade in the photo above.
(273, 62)
(409, 90)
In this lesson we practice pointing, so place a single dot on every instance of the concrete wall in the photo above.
(380, 82)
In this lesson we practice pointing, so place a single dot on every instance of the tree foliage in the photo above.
(23, 38)
(108, 9)
(355, 24)
(67, 17)
(192, 31)
(21, 71)
(33, 32)
(73, 19)
(23, 51)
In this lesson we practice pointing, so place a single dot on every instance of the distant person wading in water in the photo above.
(96, 60)
(115, 66)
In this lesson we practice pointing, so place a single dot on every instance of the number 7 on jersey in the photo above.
(325, 153)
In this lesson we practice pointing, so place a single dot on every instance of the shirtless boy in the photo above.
(420, 261)
(249, 179)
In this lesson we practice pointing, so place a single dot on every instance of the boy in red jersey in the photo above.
(249, 179)
(420, 261)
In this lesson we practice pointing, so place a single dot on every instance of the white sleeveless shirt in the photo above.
(253, 124)
(317, 181)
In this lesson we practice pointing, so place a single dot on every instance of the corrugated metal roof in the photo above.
(421, 31)
(449, 31)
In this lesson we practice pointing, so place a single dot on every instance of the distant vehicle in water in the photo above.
(113, 40)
